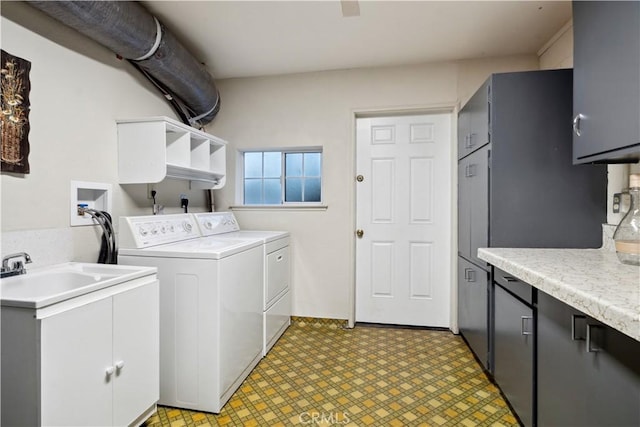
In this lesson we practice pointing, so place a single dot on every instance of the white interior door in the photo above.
(403, 207)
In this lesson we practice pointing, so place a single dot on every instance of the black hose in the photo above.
(108, 247)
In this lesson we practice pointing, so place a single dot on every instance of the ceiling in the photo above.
(256, 38)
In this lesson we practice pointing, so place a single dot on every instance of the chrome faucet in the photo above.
(14, 268)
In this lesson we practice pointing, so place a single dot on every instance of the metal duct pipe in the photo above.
(129, 30)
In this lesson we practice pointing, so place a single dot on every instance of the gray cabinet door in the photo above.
(561, 383)
(473, 205)
(576, 387)
(514, 352)
(473, 302)
(473, 122)
(606, 79)
(464, 124)
(477, 174)
(464, 210)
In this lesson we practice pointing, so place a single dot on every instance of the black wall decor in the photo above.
(15, 113)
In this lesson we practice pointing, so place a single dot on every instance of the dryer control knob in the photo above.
(187, 226)
(208, 225)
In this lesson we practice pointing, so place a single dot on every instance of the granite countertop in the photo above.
(590, 280)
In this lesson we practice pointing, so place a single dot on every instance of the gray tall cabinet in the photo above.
(517, 187)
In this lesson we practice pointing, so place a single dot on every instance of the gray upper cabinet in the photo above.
(606, 81)
(473, 122)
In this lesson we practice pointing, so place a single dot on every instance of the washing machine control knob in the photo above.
(186, 225)
(209, 225)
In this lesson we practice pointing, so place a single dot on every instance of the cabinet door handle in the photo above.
(523, 325)
(468, 141)
(576, 123)
(109, 371)
(279, 258)
(469, 275)
(593, 332)
(470, 170)
(119, 364)
(574, 329)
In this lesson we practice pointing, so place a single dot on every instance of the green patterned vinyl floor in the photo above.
(320, 374)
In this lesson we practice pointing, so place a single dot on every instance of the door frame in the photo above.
(448, 108)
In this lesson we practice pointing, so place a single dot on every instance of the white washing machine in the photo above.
(277, 269)
(211, 316)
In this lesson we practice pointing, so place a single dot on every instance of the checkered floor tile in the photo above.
(320, 374)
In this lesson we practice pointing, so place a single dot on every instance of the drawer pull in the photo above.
(593, 336)
(510, 279)
(574, 329)
(523, 325)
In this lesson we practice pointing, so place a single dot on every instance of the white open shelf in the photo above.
(155, 148)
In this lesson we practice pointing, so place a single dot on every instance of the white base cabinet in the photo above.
(90, 360)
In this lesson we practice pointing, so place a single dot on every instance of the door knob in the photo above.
(359, 233)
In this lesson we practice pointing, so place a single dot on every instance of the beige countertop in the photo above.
(590, 280)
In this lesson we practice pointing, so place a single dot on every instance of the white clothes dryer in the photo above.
(277, 269)
(211, 298)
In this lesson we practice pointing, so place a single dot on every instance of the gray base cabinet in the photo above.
(588, 373)
(514, 353)
(473, 313)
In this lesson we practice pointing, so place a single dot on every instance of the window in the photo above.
(282, 177)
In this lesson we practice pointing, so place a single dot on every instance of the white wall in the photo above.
(78, 90)
(558, 53)
(317, 109)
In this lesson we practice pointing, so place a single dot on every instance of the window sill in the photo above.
(279, 208)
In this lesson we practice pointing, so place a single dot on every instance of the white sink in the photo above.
(49, 285)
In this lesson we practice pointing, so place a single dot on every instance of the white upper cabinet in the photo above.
(152, 149)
